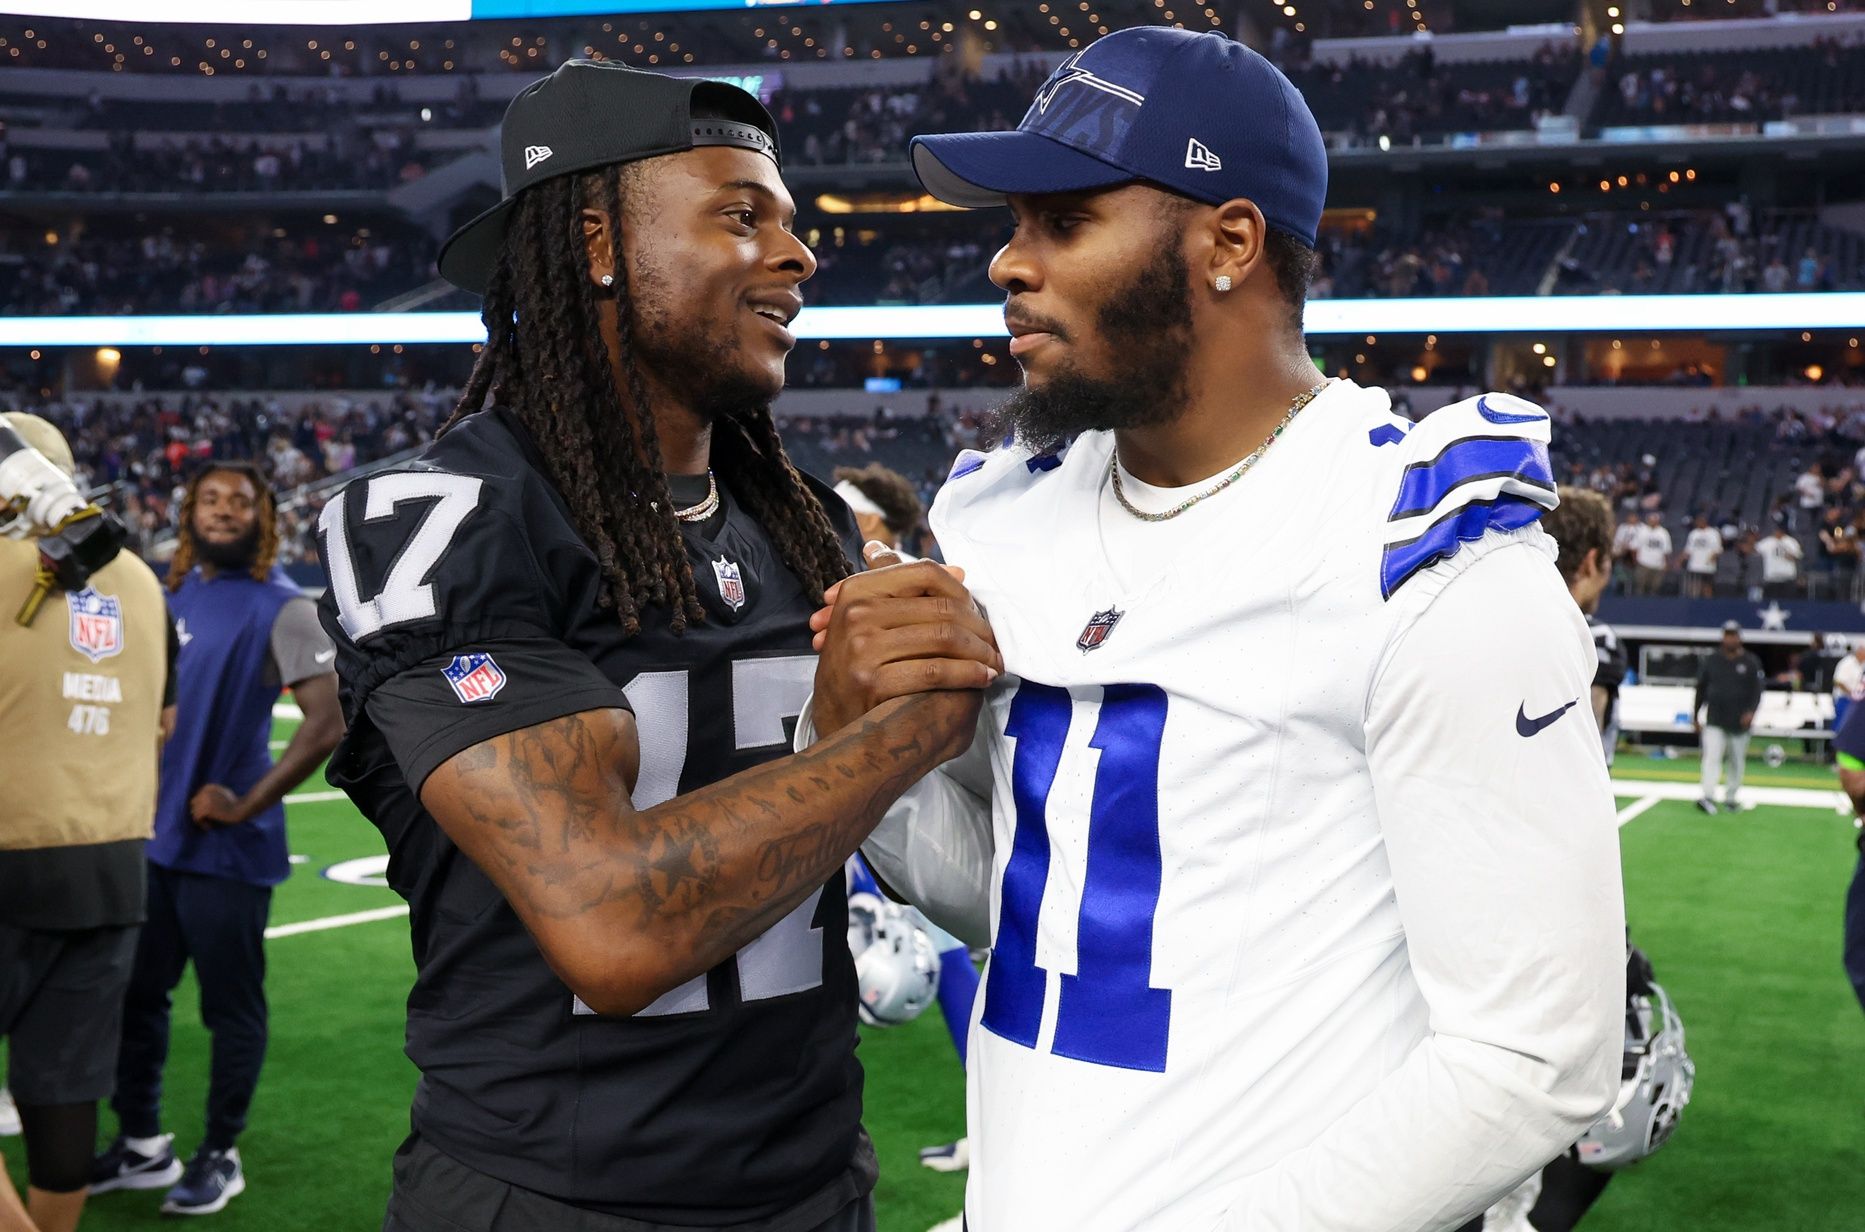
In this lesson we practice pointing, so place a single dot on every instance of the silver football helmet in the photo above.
(1656, 1083)
(896, 965)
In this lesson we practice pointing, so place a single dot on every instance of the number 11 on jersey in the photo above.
(1108, 1012)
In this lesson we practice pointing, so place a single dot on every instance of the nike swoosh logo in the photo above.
(1525, 726)
(325, 656)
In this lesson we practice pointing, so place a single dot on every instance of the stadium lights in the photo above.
(1644, 314)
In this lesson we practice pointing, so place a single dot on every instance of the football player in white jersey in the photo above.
(1286, 821)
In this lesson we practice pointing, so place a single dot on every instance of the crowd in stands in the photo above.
(141, 164)
(1765, 502)
(144, 450)
(1762, 504)
(324, 271)
(1727, 251)
(1415, 98)
(1823, 77)
(313, 267)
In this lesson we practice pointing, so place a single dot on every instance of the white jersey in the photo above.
(1304, 891)
(1702, 547)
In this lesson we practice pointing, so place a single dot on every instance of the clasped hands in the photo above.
(902, 628)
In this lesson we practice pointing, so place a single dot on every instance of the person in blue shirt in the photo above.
(246, 632)
(1849, 753)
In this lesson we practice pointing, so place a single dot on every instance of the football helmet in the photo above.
(895, 962)
(1655, 1085)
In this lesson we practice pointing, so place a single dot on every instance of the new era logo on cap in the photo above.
(535, 154)
(1198, 157)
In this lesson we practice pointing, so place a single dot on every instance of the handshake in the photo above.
(904, 629)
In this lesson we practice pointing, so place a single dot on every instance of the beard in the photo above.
(699, 366)
(1147, 327)
(232, 556)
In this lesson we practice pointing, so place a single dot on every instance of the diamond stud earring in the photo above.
(608, 280)
(1223, 282)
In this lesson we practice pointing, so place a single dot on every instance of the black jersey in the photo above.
(465, 605)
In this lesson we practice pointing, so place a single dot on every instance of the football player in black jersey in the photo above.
(573, 639)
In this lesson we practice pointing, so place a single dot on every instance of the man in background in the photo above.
(82, 691)
(886, 507)
(1703, 548)
(1729, 686)
(1624, 542)
(245, 632)
(1849, 749)
(1780, 563)
(1848, 683)
(1582, 525)
(1651, 554)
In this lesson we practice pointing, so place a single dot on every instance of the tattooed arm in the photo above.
(626, 905)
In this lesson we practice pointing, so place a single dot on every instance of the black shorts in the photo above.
(437, 1193)
(61, 1010)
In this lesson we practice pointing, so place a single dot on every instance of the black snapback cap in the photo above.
(591, 113)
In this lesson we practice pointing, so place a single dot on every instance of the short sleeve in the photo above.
(427, 565)
(449, 703)
(300, 647)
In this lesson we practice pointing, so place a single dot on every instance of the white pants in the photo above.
(1720, 744)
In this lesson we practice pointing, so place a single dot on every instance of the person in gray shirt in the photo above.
(1729, 688)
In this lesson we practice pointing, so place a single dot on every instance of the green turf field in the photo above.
(1740, 913)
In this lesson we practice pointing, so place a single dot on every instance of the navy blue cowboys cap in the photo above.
(590, 113)
(1197, 114)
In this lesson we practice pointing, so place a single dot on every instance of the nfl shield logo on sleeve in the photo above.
(474, 677)
(731, 582)
(1099, 626)
(96, 624)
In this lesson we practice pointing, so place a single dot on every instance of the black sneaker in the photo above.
(213, 1179)
(123, 1168)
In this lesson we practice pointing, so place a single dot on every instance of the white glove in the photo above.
(38, 494)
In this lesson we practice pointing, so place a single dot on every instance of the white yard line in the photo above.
(1637, 807)
(336, 921)
(1791, 797)
(315, 797)
(953, 1224)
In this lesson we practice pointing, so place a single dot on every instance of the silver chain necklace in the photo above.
(1237, 472)
(705, 508)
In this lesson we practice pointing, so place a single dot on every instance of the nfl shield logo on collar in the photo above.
(1100, 625)
(474, 677)
(96, 624)
(731, 582)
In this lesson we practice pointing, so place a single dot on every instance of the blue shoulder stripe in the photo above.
(1469, 459)
(1466, 524)
(968, 460)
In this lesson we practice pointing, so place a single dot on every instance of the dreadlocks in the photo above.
(187, 552)
(545, 360)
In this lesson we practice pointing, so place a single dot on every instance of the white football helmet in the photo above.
(1658, 1075)
(896, 965)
